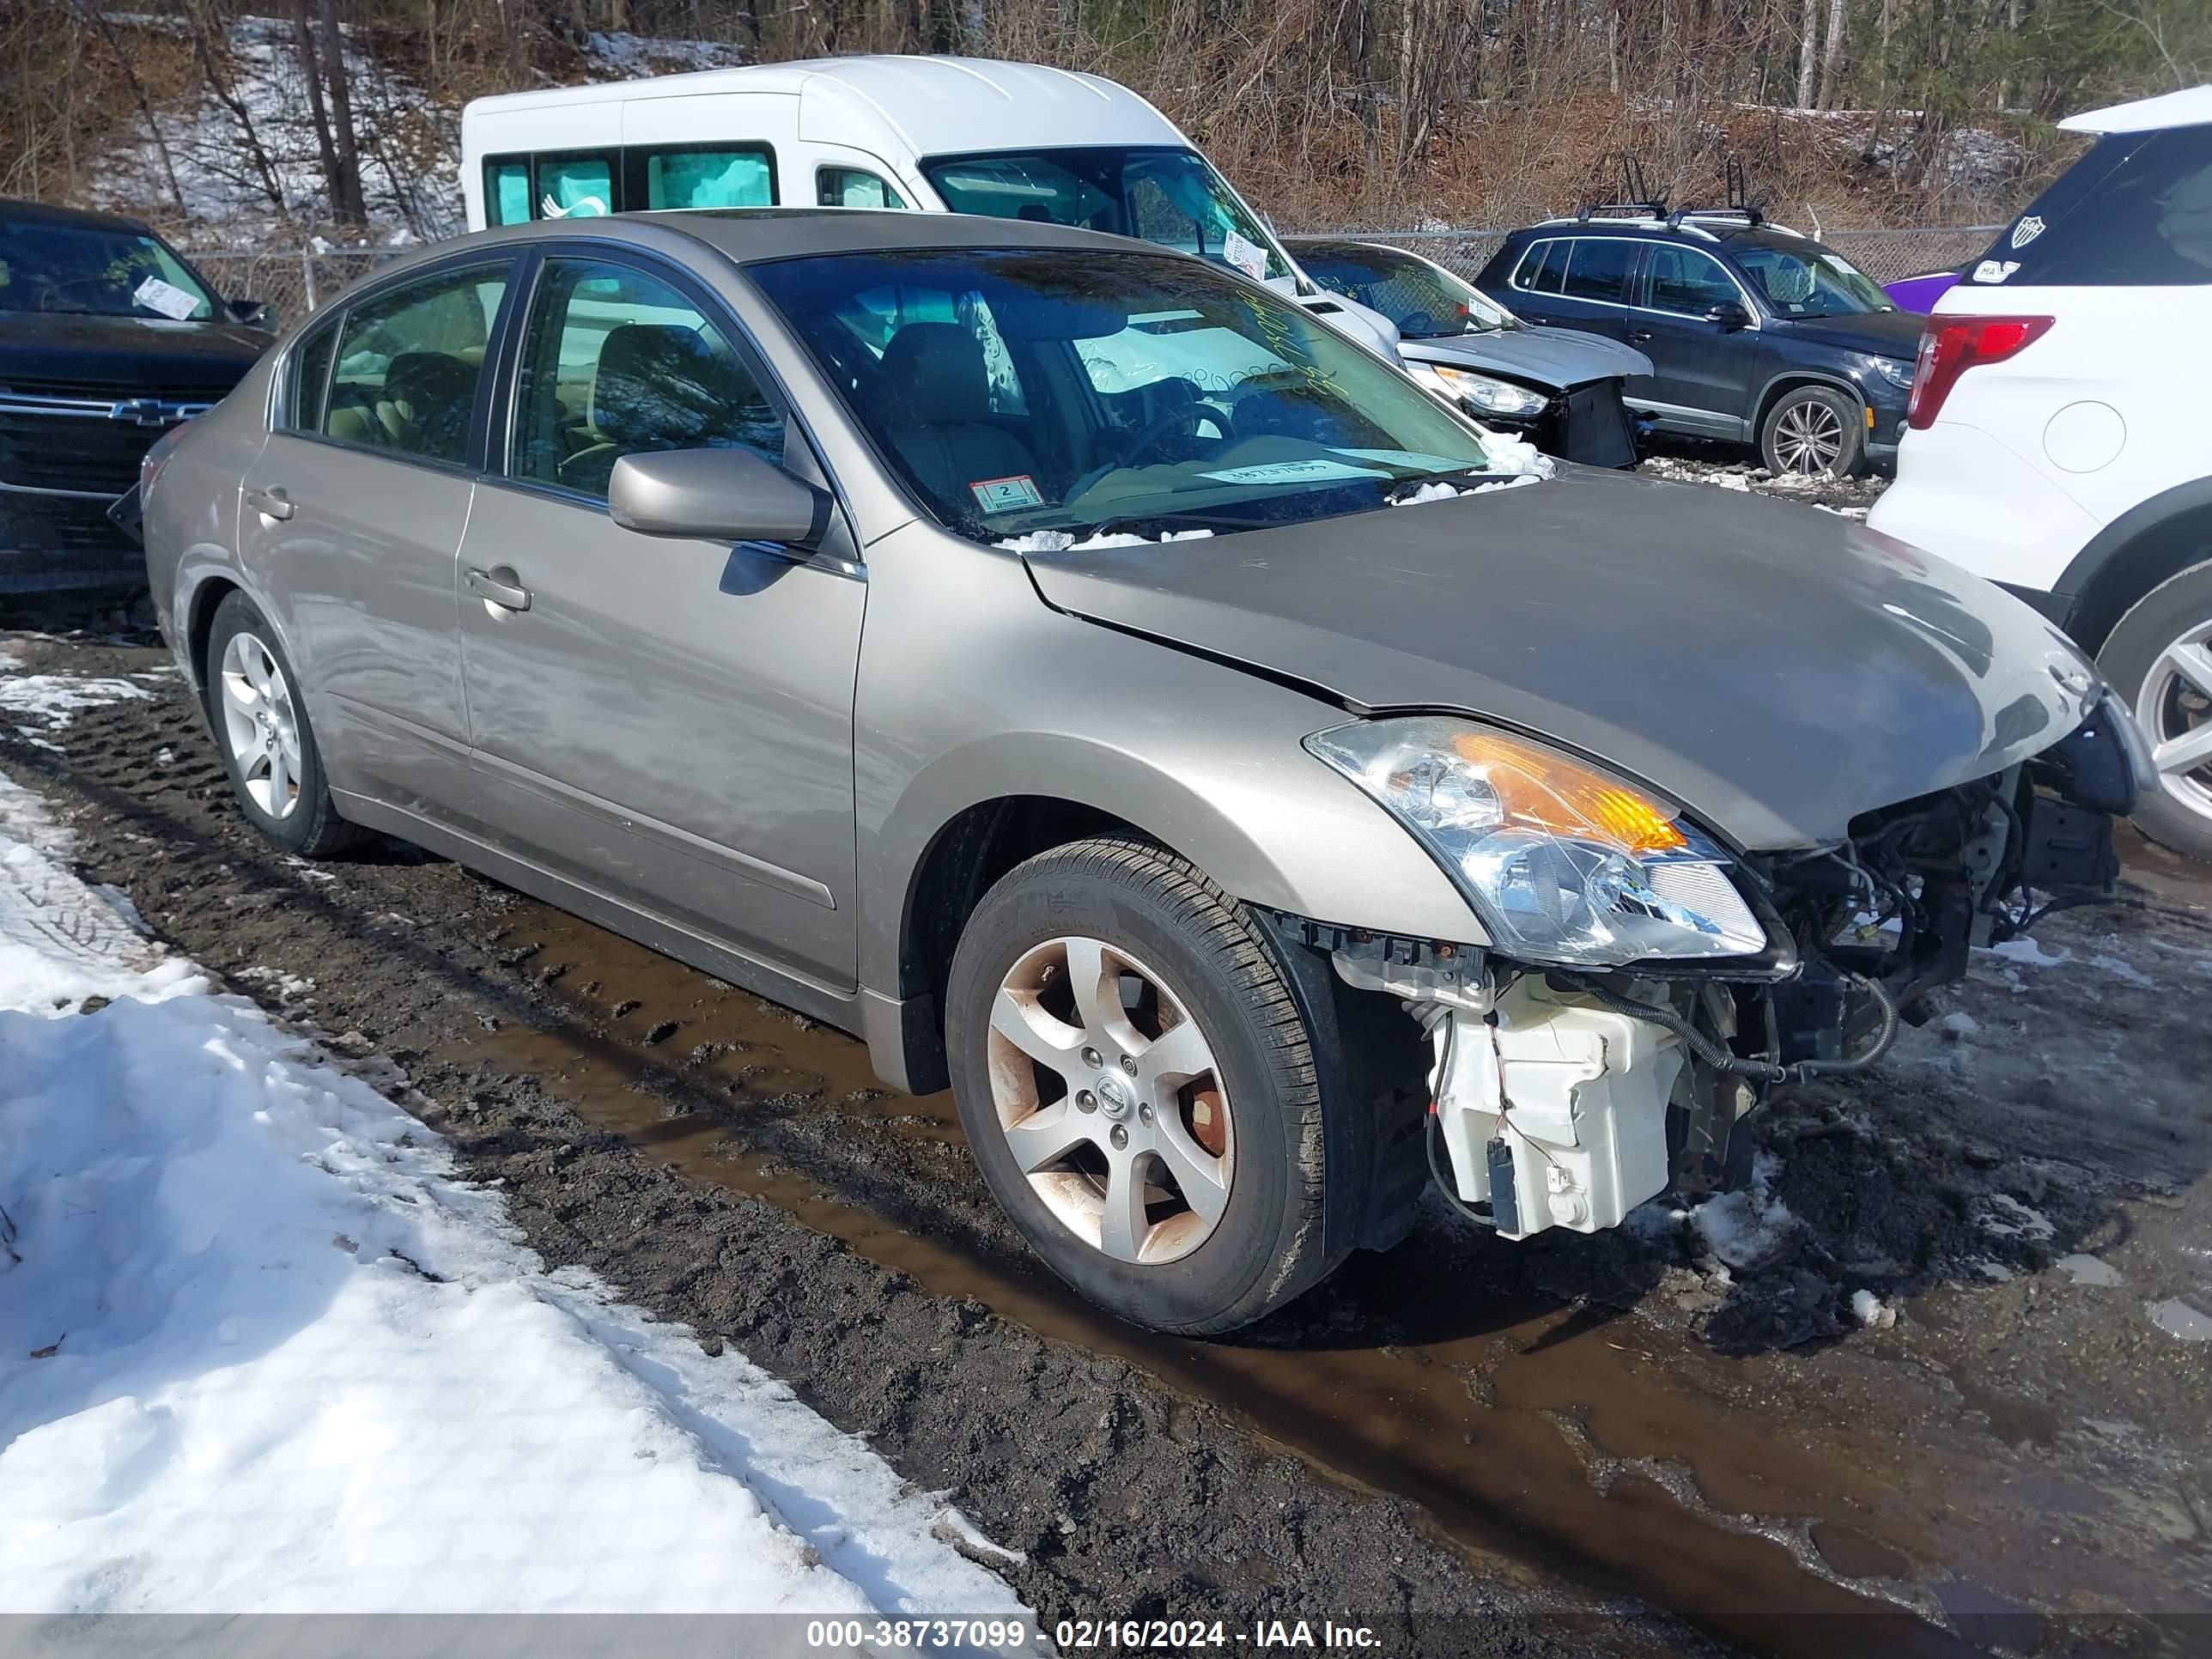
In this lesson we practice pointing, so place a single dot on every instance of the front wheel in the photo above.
(1139, 1086)
(2159, 659)
(1814, 432)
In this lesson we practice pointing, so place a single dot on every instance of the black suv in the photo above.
(1756, 334)
(107, 338)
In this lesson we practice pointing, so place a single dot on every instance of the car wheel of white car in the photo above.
(261, 724)
(1813, 431)
(1139, 1087)
(2160, 658)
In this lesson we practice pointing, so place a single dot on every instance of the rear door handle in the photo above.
(500, 586)
(271, 503)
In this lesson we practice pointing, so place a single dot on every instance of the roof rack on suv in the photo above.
(1635, 200)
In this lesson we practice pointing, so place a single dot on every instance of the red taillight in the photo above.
(1949, 346)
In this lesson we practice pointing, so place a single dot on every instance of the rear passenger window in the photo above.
(2146, 221)
(615, 363)
(579, 186)
(854, 187)
(308, 380)
(708, 176)
(1598, 270)
(409, 361)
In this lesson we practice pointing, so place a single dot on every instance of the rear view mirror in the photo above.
(255, 313)
(1060, 317)
(715, 495)
(1729, 315)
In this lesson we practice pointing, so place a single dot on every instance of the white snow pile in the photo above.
(1742, 1229)
(261, 1351)
(1441, 491)
(54, 700)
(1062, 541)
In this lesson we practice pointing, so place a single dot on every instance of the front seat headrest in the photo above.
(934, 376)
(659, 385)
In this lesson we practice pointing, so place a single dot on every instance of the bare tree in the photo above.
(97, 19)
(1808, 55)
(1831, 62)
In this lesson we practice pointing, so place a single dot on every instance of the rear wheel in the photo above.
(1813, 431)
(268, 747)
(2160, 658)
(1139, 1086)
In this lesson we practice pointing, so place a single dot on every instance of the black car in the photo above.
(1558, 388)
(1756, 334)
(107, 338)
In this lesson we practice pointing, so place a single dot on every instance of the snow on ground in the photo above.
(241, 1288)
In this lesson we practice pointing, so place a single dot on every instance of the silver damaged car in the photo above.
(1255, 789)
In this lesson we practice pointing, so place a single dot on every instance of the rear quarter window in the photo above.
(2135, 212)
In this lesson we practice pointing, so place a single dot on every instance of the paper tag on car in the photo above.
(1293, 472)
(1248, 257)
(1006, 494)
(167, 298)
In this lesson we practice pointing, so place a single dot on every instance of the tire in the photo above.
(2143, 657)
(1805, 421)
(308, 822)
(1291, 1166)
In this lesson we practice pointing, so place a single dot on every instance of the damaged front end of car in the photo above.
(1645, 988)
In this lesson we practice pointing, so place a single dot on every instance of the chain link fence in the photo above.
(298, 280)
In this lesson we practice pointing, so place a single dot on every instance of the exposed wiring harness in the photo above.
(1763, 1071)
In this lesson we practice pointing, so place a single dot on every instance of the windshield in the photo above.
(1426, 301)
(1811, 282)
(1152, 192)
(93, 271)
(1027, 389)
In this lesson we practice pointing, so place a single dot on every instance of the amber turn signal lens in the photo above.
(1539, 789)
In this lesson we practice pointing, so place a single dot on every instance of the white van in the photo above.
(1010, 141)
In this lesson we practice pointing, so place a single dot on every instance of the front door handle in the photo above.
(1642, 336)
(272, 503)
(500, 586)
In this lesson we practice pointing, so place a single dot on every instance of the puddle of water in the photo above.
(2089, 1270)
(1489, 1461)
(2177, 1318)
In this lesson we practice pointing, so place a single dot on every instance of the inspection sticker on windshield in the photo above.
(1293, 472)
(1248, 257)
(167, 298)
(1006, 494)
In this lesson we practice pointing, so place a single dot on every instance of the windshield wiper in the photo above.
(1403, 489)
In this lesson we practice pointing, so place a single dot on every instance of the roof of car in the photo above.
(757, 235)
(2190, 107)
(47, 214)
(954, 104)
(1693, 227)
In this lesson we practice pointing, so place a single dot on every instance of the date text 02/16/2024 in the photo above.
(1078, 1635)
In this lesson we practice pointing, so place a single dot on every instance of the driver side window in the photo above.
(615, 362)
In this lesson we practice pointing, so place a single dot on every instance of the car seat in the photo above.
(936, 398)
(658, 386)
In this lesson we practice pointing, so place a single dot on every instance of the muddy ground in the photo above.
(1939, 1382)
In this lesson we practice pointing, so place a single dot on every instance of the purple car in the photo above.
(1919, 293)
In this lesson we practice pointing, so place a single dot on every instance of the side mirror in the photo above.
(1729, 315)
(715, 495)
(255, 313)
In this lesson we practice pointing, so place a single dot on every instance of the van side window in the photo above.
(702, 176)
(579, 186)
(854, 187)
(409, 361)
(615, 363)
(507, 190)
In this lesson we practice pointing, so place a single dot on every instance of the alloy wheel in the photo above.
(259, 725)
(1111, 1101)
(2175, 707)
(1809, 437)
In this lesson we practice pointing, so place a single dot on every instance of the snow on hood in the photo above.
(1062, 541)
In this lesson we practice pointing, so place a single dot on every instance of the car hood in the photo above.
(1560, 358)
(1877, 333)
(134, 356)
(1775, 669)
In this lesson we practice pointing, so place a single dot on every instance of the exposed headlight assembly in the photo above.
(1492, 396)
(1899, 375)
(1565, 864)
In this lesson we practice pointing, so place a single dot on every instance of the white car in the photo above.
(2059, 440)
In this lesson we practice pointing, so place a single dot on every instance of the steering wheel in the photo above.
(1182, 420)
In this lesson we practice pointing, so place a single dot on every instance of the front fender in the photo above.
(1201, 756)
